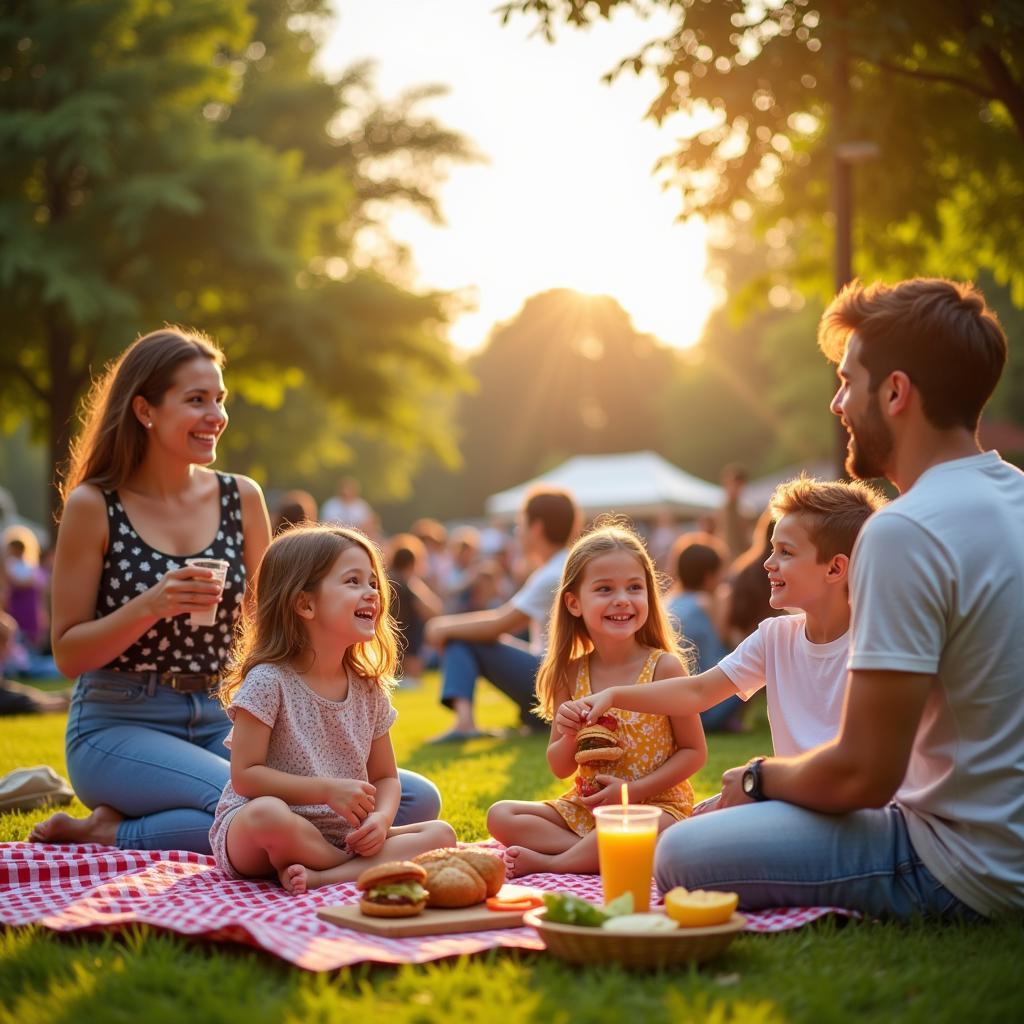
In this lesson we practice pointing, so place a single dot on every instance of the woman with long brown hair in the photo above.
(145, 732)
(145, 736)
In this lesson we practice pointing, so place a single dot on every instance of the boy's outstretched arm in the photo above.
(679, 695)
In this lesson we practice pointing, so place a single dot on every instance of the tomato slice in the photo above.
(520, 903)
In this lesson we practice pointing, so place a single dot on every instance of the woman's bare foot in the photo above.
(295, 879)
(520, 861)
(99, 827)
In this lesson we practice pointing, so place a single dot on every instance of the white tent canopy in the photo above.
(637, 484)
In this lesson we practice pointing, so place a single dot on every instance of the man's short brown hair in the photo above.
(832, 511)
(556, 510)
(940, 333)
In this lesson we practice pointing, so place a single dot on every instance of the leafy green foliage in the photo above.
(774, 90)
(568, 375)
(186, 163)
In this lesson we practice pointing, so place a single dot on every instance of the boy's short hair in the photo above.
(555, 509)
(696, 556)
(832, 511)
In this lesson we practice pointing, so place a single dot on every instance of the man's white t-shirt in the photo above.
(805, 682)
(937, 587)
(536, 597)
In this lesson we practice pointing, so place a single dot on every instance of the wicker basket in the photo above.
(658, 949)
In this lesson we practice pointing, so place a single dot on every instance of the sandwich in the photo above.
(461, 877)
(394, 889)
(598, 743)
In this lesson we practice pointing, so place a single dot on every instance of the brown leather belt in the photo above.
(183, 682)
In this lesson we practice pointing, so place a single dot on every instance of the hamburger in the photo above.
(598, 743)
(461, 877)
(394, 889)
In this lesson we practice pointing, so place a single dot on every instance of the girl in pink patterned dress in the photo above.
(314, 787)
(608, 626)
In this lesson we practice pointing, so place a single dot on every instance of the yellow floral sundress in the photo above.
(648, 742)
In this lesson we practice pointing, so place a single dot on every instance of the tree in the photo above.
(132, 195)
(938, 85)
(568, 375)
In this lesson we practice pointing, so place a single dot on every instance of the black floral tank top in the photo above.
(131, 567)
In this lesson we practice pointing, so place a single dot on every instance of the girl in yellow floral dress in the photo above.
(608, 627)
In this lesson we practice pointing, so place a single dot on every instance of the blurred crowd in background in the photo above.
(712, 568)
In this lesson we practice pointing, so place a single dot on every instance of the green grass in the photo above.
(826, 972)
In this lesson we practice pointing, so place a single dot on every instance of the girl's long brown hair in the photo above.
(271, 631)
(568, 639)
(112, 442)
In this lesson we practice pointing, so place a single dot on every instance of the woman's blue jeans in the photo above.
(158, 757)
(775, 854)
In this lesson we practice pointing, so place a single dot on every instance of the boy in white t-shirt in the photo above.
(800, 659)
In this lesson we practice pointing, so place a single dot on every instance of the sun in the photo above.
(652, 265)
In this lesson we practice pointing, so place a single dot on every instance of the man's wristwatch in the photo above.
(751, 780)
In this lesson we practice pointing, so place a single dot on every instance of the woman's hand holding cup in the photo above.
(188, 589)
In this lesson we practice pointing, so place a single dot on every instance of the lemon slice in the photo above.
(699, 908)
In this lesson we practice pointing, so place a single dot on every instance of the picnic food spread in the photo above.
(394, 889)
(461, 877)
(598, 743)
(683, 909)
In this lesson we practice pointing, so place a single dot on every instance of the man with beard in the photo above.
(917, 807)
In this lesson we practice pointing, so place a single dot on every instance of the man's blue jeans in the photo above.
(513, 670)
(158, 757)
(775, 854)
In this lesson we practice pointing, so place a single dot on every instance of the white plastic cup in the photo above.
(219, 567)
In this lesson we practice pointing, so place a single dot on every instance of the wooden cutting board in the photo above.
(431, 922)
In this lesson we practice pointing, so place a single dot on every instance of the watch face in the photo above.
(748, 782)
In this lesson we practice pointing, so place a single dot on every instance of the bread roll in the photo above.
(461, 877)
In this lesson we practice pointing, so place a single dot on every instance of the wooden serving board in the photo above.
(431, 922)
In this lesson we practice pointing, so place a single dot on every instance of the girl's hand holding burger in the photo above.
(610, 792)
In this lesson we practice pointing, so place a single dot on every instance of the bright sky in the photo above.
(567, 198)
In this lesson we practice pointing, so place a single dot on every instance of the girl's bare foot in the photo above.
(295, 879)
(520, 861)
(99, 827)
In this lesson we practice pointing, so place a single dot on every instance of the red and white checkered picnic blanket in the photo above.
(88, 886)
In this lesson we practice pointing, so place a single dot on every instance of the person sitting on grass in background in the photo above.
(16, 699)
(415, 603)
(314, 787)
(698, 561)
(477, 643)
(799, 659)
(608, 622)
(293, 508)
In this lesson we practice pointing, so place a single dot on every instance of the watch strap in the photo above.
(752, 780)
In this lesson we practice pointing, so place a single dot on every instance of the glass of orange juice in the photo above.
(626, 834)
